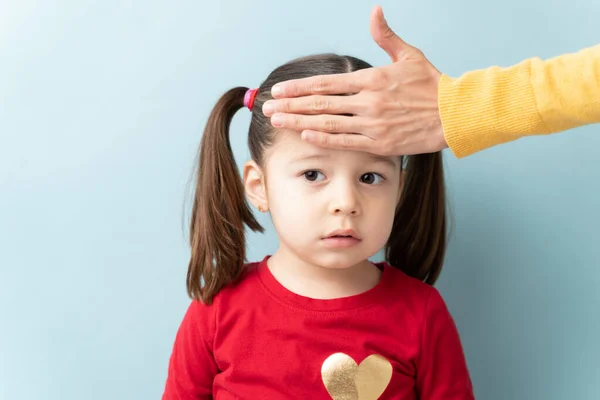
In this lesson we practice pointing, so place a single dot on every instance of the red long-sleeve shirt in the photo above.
(258, 340)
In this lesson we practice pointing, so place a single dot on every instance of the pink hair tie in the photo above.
(249, 98)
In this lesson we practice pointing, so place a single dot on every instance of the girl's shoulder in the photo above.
(402, 278)
(243, 285)
(241, 291)
(411, 296)
(398, 280)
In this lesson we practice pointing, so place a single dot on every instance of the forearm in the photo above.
(496, 105)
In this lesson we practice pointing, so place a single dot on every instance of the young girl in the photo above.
(317, 319)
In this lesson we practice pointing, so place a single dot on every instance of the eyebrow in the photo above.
(373, 157)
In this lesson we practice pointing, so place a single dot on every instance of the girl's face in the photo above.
(311, 191)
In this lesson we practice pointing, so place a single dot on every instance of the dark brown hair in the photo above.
(220, 211)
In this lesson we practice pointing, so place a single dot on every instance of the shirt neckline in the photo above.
(374, 295)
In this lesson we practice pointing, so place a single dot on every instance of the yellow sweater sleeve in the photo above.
(497, 105)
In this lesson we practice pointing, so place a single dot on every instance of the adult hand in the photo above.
(394, 109)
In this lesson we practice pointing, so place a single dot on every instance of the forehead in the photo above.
(289, 147)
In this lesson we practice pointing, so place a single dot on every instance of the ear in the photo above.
(255, 185)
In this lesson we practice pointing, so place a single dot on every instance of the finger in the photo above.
(321, 84)
(312, 105)
(323, 123)
(385, 37)
(343, 141)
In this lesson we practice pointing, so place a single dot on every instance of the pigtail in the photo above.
(417, 244)
(220, 209)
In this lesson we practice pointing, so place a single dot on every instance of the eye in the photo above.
(369, 178)
(311, 175)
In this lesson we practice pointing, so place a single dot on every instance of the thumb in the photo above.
(385, 37)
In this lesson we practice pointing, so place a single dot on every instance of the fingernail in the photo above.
(277, 120)
(307, 135)
(277, 90)
(268, 108)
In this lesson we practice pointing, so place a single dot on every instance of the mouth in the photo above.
(341, 239)
(343, 234)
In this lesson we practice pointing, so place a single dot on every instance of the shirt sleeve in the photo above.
(487, 107)
(442, 372)
(192, 366)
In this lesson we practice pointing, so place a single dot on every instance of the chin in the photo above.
(339, 261)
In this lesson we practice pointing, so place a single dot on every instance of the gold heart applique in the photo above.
(345, 380)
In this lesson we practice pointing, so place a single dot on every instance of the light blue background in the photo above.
(102, 105)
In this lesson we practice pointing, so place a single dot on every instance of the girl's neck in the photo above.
(309, 280)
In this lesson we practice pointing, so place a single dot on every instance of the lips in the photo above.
(341, 239)
(343, 233)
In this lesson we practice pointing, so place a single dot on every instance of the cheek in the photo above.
(288, 206)
(283, 196)
(380, 215)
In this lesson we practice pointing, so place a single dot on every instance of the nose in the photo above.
(345, 200)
